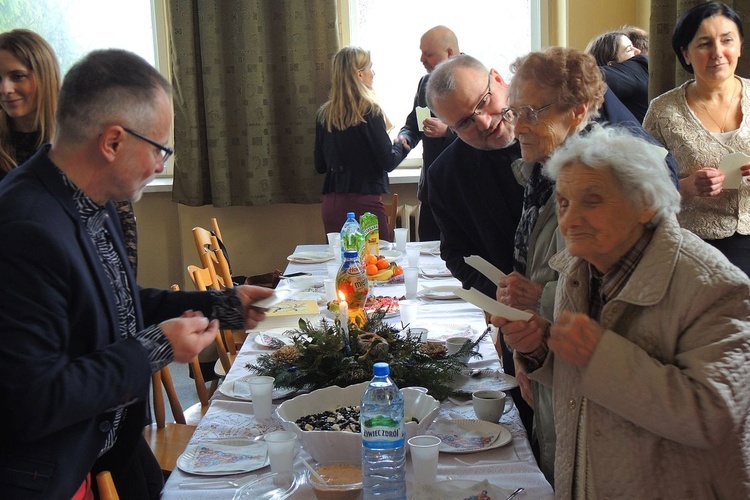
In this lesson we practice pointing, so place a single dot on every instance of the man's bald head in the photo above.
(437, 44)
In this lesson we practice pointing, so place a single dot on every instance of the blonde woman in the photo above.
(352, 147)
(29, 85)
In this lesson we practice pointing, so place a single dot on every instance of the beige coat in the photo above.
(668, 386)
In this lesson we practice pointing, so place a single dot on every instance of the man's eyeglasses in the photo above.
(531, 115)
(483, 102)
(164, 151)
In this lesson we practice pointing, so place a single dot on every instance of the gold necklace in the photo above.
(726, 115)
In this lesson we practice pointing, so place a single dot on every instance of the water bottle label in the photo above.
(383, 433)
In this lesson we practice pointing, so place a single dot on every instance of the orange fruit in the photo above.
(382, 264)
(370, 259)
(399, 270)
(371, 269)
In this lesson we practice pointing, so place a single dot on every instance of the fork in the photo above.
(481, 462)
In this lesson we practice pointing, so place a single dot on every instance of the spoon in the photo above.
(313, 471)
(519, 490)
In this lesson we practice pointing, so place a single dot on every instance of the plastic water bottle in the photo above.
(382, 421)
(352, 237)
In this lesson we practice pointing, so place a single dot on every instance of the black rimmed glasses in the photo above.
(483, 102)
(531, 115)
(164, 151)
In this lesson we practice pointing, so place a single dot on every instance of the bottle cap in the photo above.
(350, 215)
(381, 369)
(351, 254)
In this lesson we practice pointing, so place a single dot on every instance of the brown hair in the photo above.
(569, 73)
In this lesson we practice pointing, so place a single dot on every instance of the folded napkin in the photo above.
(214, 457)
(461, 489)
(464, 435)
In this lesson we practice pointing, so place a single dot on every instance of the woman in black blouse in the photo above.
(352, 146)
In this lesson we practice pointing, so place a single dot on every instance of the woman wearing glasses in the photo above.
(352, 147)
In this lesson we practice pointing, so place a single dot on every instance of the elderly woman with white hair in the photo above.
(648, 353)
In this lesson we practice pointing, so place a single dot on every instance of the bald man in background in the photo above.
(437, 44)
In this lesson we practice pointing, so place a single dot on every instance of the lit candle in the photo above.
(344, 322)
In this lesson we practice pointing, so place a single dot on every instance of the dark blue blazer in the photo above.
(64, 366)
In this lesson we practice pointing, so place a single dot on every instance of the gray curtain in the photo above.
(665, 71)
(249, 76)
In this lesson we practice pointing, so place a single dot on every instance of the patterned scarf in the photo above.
(535, 195)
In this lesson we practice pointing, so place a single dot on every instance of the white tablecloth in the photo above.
(512, 465)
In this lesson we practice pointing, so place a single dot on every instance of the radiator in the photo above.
(408, 216)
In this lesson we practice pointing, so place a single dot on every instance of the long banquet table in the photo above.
(507, 467)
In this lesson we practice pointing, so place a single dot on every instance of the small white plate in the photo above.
(429, 247)
(487, 379)
(480, 426)
(384, 245)
(227, 388)
(435, 271)
(266, 338)
(310, 257)
(391, 255)
(438, 293)
(184, 462)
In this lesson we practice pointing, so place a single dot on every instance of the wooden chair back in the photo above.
(391, 211)
(167, 439)
(106, 486)
(212, 257)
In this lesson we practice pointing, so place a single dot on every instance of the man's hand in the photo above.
(522, 336)
(249, 294)
(574, 337)
(515, 290)
(189, 334)
(433, 127)
(401, 140)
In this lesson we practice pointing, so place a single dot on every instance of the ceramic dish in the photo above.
(477, 426)
(243, 392)
(438, 293)
(252, 454)
(310, 257)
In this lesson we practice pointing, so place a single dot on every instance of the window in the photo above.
(492, 31)
(75, 27)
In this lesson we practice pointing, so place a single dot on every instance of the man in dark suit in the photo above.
(79, 339)
(437, 44)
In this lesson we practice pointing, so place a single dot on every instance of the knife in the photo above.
(483, 266)
(491, 306)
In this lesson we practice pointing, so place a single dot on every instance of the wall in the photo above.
(258, 238)
(572, 23)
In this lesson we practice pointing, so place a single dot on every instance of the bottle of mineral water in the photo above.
(352, 237)
(382, 422)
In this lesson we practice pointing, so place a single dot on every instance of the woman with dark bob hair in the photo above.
(702, 121)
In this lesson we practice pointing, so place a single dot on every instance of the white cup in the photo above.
(412, 255)
(425, 451)
(334, 239)
(490, 405)
(411, 282)
(409, 310)
(330, 286)
(281, 448)
(332, 266)
(261, 391)
(454, 344)
(419, 333)
(400, 237)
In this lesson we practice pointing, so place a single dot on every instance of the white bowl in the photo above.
(340, 446)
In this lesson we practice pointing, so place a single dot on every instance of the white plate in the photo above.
(266, 338)
(227, 388)
(451, 489)
(384, 245)
(444, 292)
(429, 247)
(391, 255)
(320, 298)
(184, 462)
(310, 257)
(488, 379)
(480, 426)
(439, 271)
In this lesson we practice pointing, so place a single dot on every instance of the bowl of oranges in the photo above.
(378, 268)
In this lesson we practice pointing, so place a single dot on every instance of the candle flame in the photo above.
(342, 297)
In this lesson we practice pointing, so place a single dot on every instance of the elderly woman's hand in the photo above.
(515, 290)
(525, 337)
(703, 182)
(574, 337)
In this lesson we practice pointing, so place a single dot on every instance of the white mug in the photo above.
(490, 405)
